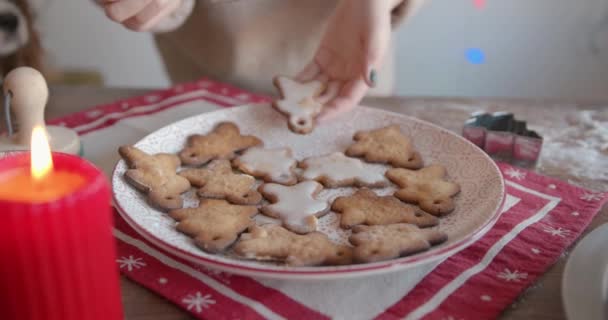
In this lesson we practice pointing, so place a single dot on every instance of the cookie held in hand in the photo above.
(296, 206)
(365, 207)
(426, 187)
(215, 224)
(385, 145)
(217, 181)
(275, 243)
(336, 170)
(299, 102)
(377, 243)
(155, 175)
(222, 143)
(272, 165)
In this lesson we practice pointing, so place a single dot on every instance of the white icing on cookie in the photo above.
(273, 165)
(338, 170)
(296, 206)
(298, 101)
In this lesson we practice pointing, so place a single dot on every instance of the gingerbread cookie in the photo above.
(272, 165)
(365, 207)
(299, 102)
(376, 243)
(215, 224)
(275, 243)
(219, 182)
(385, 145)
(222, 143)
(156, 176)
(336, 170)
(296, 206)
(425, 187)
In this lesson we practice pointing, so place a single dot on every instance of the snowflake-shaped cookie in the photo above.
(337, 170)
(272, 165)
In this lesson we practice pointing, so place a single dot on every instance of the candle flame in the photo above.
(42, 162)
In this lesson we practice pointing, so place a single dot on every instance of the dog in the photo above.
(19, 40)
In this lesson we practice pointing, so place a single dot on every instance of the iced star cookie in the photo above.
(272, 165)
(337, 170)
(296, 206)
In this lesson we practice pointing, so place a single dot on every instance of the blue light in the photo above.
(475, 56)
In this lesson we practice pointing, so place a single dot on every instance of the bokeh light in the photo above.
(475, 56)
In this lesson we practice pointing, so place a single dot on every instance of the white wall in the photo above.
(538, 48)
(76, 33)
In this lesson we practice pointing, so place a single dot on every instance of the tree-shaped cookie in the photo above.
(383, 242)
(337, 170)
(385, 145)
(155, 175)
(215, 224)
(275, 243)
(219, 182)
(222, 143)
(272, 165)
(365, 207)
(299, 102)
(426, 187)
(296, 206)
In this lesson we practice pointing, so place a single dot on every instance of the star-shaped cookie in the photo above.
(376, 243)
(156, 176)
(365, 207)
(222, 143)
(215, 224)
(426, 187)
(275, 243)
(296, 206)
(219, 182)
(337, 170)
(272, 165)
(385, 145)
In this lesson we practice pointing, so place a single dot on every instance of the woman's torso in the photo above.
(247, 42)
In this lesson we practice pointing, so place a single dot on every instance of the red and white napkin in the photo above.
(541, 218)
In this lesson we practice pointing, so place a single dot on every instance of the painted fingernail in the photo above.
(373, 77)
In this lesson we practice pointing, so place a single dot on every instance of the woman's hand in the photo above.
(350, 53)
(139, 15)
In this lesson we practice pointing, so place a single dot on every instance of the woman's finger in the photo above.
(151, 14)
(120, 11)
(309, 72)
(350, 95)
(330, 92)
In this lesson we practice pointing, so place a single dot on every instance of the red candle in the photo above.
(57, 254)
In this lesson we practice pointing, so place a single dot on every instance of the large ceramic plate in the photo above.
(477, 205)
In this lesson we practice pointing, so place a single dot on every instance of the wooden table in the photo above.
(541, 301)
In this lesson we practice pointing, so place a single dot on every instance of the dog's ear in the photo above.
(36, 6)
(31, 53)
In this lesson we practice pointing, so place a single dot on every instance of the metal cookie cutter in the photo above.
(503, 137)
